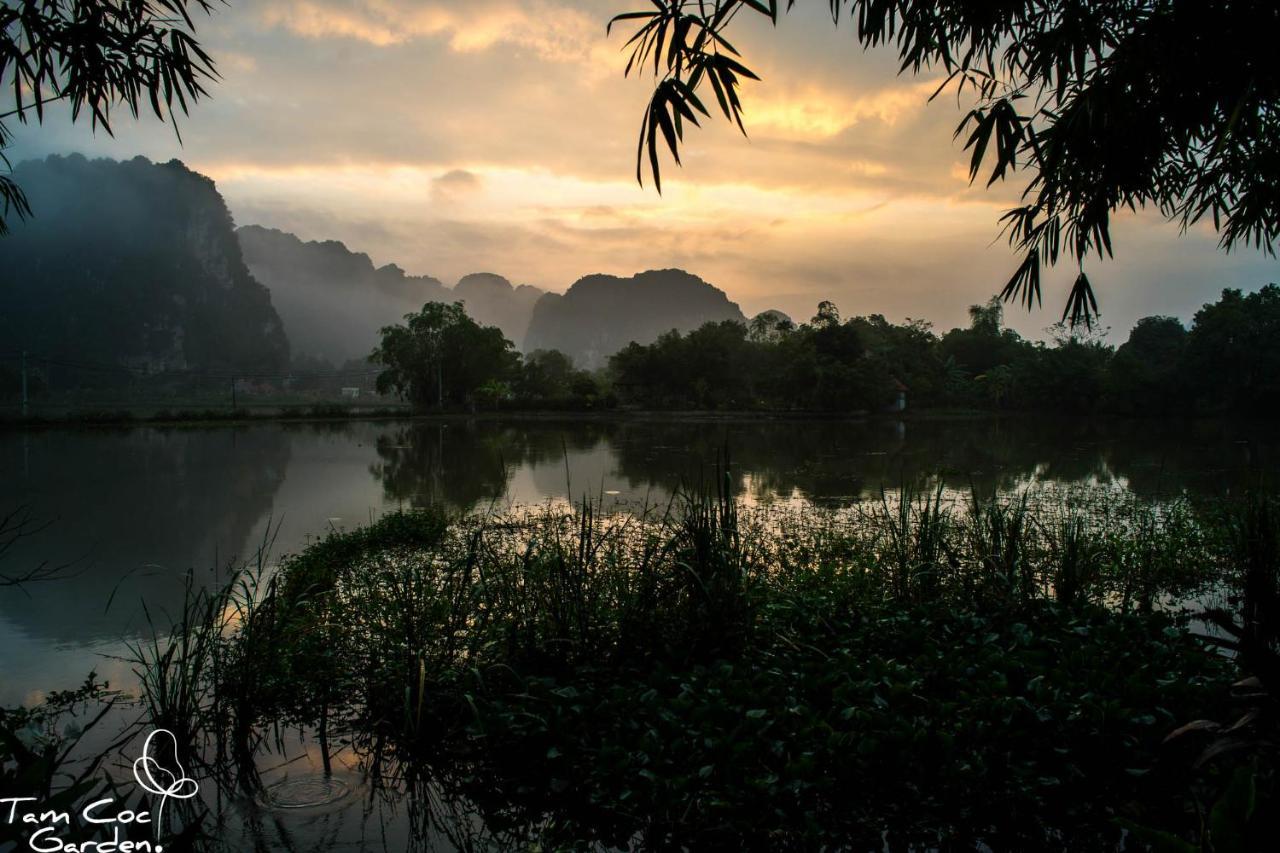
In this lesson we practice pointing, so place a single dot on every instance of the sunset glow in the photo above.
(493, 135)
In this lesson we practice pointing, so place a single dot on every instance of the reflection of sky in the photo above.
(133, 510)
(500, 134)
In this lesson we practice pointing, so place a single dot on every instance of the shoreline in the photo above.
(335, 413)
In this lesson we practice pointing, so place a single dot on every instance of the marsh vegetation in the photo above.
(916, 672)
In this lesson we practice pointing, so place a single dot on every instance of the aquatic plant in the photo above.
(914, 673)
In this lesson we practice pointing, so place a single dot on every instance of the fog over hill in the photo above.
(334, 300)
(492, 301)
(140, 264)
(133, 264)
(601, 314)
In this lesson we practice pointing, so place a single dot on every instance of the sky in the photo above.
(500, 135)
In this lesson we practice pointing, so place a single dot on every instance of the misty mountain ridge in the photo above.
(600, 314)
(139, 264)
(334, 300)
(132, 264)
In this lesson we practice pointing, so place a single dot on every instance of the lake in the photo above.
(129, 512)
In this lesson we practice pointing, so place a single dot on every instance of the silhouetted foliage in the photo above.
(819, 366)
(97, 57)
(1104, 105)
(441, 356)
(1146, 373)
(1229, 361)
(548, 377)
(1233, 352)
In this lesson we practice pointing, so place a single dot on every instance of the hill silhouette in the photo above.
(135, 264)
(601, 314)
(491, 300)
(334, 300)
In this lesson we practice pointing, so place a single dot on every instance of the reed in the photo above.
(706, 665)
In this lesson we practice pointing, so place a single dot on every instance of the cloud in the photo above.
(552, 31)
(454, 187)
(449, 137)
(815, 113)
(457, 180)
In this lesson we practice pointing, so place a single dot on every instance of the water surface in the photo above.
(129, 512)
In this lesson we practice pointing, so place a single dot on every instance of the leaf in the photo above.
(1158, 840)
(1081, 307)
(1229, 819)
(1194, 726)
(1024, 284)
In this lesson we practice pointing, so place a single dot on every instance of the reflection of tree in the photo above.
(828, 462)
(131, 511)
(1207, 457)
(462, 464)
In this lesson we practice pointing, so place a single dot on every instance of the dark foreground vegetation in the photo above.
(910, 675)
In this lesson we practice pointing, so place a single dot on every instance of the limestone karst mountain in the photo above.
(131, 265)
(139, 264)
(491, 300)
(334, 300)
(601, 314)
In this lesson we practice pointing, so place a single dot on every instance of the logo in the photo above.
(158, 772)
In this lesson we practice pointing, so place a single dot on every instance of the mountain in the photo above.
(134, 264)
(601, 314)
(768, 324)
(492, 301)
(334, 300)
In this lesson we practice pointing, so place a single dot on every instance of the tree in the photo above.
(908, 353)
(96, 56)
(1147, 374)
(546, 375)
(1067, 377)
(1104, 104)
(549, 377)
(440, 355)
(1233, 351)
(985, 344)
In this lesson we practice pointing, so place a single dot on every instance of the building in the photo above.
(899, 403)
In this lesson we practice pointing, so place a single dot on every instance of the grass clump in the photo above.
(910, 674)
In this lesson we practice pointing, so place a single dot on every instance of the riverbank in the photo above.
(331, 412)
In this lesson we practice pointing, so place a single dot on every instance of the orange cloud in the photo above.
(811, 113)
(551, 31)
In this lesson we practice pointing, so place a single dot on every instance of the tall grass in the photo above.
(405, 610)
(421, 636)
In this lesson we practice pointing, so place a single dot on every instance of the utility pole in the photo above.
(24, 383)
(233, 393)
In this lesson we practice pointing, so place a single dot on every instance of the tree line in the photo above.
(1227, 361)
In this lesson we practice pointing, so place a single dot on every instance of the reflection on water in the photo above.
(131, 511)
